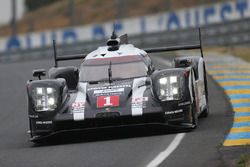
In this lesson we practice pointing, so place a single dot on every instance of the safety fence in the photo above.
(233, 33)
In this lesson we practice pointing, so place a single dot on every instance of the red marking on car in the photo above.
(108, 101)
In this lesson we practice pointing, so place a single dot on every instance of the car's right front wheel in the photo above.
(194, 115)
(205, 112)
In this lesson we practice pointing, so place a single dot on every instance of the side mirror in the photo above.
(38, 73)
(151, 69)
(148, 81)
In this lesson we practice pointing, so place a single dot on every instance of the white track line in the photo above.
(165, 154)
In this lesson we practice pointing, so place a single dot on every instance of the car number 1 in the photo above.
(108, 101)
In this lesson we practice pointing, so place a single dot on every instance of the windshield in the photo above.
(98, 70)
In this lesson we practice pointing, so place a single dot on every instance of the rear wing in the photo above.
(176, 48)
(148, 50)
(65, 57)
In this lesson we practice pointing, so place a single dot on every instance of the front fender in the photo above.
(42, 122)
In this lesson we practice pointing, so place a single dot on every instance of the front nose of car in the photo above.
(111, 96)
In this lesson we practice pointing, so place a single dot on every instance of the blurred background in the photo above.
(41, 15)
(27, 27)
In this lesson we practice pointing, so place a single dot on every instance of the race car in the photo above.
(117, 85)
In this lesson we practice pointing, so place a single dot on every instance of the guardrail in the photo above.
(223, 34)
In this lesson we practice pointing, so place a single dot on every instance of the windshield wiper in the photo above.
(110, 72)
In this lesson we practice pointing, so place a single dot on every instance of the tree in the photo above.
(35, 4)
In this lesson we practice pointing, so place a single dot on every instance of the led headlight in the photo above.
(45, 99)
(169, 88)
(163, 81)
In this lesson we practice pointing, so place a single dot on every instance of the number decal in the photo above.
(107, 101)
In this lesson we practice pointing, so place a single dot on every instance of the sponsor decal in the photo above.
(173, 112)
(106, 92)
(138, 106)
(43, 122)
(33, 116)
(139, 102)
(184, 103)
(108, 101)
(110, 87)
(78, 106)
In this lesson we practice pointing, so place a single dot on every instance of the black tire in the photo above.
(194, 111)
(205, 112)
(30, 129)
(44, 141)
(38, 142)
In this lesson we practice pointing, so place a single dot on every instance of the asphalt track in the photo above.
(136, 146)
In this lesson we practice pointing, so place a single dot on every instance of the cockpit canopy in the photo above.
(123, 67)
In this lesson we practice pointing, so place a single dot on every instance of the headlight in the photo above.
(45, 98)
(169, 88)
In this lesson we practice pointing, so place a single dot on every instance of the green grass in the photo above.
(219, 146)
(244, 161)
